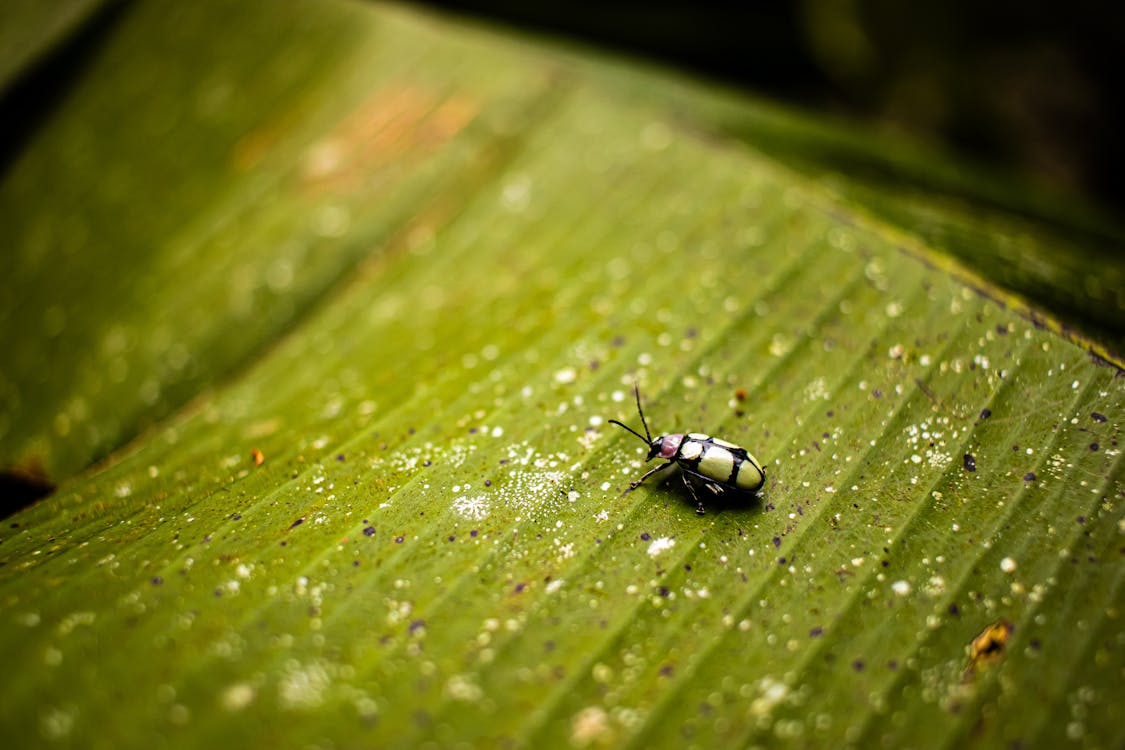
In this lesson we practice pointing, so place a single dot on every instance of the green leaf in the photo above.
(345, 297)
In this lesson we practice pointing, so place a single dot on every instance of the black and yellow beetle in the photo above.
(704, 461)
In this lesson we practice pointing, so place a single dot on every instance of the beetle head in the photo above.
(665, 446)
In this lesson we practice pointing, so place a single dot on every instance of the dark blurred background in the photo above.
(1029, 87)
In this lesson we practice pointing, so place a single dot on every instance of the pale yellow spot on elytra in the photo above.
(717, 463)
(749, 477)
(691, 449)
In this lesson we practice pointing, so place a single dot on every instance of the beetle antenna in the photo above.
(637, 393)
(647, 437)
(630, 429)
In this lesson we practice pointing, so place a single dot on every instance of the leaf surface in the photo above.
(369, 307)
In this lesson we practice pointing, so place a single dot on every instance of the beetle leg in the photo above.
(698, 503)
(662, 467)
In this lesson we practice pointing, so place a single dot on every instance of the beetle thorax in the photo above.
(666, 446)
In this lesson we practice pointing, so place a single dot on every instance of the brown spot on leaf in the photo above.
(397, 124)
(988, 647)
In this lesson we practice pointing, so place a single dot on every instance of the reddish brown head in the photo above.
(665, 446)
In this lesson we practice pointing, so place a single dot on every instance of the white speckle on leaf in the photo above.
(660, 545)
(816, 390)
(73, 620)
(238, 696)
(473, 508)
(303, 687)
(780, 345)
(461, 688)
(566, 375)
(770, 693)
(515, 196)
(1008, 565)
(901, 588)
(57, 722)
(589, 725)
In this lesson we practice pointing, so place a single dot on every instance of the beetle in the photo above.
(710, 463)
